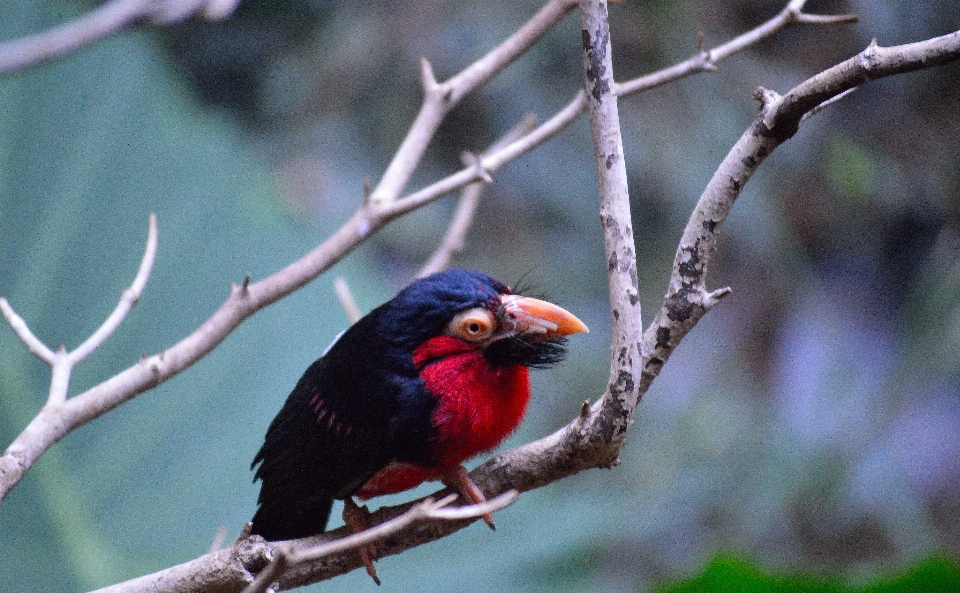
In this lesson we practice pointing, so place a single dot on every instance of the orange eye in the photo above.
(474, 325)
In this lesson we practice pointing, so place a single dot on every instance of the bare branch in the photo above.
(826, 104)
(706, 61)
(616, 407)
(101, 22)
(440, 98)
(346, 299)
(454, 240)
(688, 299)
(789, 16)
(127, 300)
(495, 160)
(22, 330)
(288, 556)
(826, 19)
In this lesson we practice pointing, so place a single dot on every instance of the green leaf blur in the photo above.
(733, 574)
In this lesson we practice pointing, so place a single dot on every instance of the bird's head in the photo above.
(460, 310)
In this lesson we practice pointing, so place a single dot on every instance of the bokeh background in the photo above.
(811, 422)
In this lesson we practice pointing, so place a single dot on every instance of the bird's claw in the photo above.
(356, 519)
(459, 480)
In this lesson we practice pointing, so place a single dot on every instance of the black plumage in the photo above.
(359, 407)
(363, 404)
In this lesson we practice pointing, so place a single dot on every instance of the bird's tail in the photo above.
(278, 519)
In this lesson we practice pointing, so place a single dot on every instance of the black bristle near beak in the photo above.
(537, 355)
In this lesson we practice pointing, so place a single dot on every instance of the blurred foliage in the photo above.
(731, 574)
(812, 421)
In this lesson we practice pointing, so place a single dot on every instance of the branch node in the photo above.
(769, 101)
(870, 55)
(792, 13)
(471, 160)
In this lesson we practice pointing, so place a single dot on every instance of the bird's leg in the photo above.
(458, 479)
(356, 519)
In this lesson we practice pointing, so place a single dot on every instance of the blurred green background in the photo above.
(811, 422)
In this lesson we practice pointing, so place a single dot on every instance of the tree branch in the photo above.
(440, 98)
(455, 238)
(613, 414)
(101, 22)
(688, 298)
(31, 443)
(292, 555)
(704, 61)
(129, 298)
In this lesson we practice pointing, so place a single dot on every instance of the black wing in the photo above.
(324, 444)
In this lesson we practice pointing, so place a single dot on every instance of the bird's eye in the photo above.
(474, 325)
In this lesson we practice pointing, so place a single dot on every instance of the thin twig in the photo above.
(454, 240)
(826, 104)
(22, 331)
(99, 23)
(495, 160)
(218, 538)
(289, 556)
(346, 299)
(129, 298)
(440, 98)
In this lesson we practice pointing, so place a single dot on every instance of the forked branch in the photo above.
(16, 460)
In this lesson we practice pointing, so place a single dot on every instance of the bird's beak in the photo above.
(531, 318)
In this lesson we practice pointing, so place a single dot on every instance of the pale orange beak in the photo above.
(531, 318)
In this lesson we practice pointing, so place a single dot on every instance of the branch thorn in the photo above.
(367, 191)
(712, 298)
(428, 80)
(585, 410)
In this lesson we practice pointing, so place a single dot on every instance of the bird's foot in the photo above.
(459, 480)
(356, 519)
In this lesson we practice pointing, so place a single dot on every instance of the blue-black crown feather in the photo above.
(422, 309)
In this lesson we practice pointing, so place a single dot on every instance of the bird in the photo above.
(431, 378)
